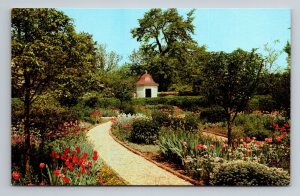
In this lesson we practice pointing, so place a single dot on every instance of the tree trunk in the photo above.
(27, 133)
(229, 128)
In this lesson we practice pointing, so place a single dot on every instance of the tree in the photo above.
(45, 49)
(107, 61)
(77, 75)
(271, 57)
(166, 45)
(230, 80)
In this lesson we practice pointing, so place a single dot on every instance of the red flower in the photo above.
(224, 145)
(67, 163)
(16, 175)
(248, 139)
(52, 154)
(279, 138)
(66, 179)
(78, 175)
(89, 164)
(56, 172)
(211, 146)
(248, 152)
(71, 168)
(83, 170)
(42, 184)
(73, 152)
(268, 140)
(95, 157)
(84, 155)
(234, 144)
(63, 157)
(77, 150)
(57, 156)
(42, 165)
(199, 146)
(75, 159)
(64, 169)
(67, 150)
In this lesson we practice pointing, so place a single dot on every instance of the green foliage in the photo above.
(266, 104)
(168, 51)
(248, 173)
(127, 109)
(230, 80)
(191, 103)
(189, 123)
(254, 125)
(108, 112)
(160, 118)
(281, 91)
(144, 131)
(175, 145)
(213, 115)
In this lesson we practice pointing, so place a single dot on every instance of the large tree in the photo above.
(230, 80)
(45, 49)
(166, 45)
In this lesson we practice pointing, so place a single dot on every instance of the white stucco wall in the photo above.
(141, 91)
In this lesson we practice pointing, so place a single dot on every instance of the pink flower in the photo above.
(16, 175)
(248, 139)
(42, 165)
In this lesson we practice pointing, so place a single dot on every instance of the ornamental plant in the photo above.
(248, 173)
(73, 167)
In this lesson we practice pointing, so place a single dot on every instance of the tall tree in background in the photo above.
(166, 43)
(45, 49)
(107, 61)
(230, 80)
(76, 77)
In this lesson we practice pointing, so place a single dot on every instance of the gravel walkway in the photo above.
(131, 167)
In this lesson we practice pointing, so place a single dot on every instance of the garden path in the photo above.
(134, 169)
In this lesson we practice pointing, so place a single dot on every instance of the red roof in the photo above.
(146, 80)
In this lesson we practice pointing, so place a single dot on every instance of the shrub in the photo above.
(161, 118)
(144, 131)
(213, 114)
(91, 101)
(175, 145)
(266, 104)
(127, 109)
(190, 122)
(191, 103)
(108, 103)
(247, 173)
(109, 112)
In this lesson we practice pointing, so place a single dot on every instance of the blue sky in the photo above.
(218, 29)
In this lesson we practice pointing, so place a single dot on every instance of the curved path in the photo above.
(134, 169)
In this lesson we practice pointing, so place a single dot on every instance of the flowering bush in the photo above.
(248, 173)
(124, 120)
(72, 167)
(200, 155)
(70, 161)
(94, 117)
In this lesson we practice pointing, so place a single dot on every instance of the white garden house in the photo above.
(146, 87)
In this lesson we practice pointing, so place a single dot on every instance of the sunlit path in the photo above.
(131, 167)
